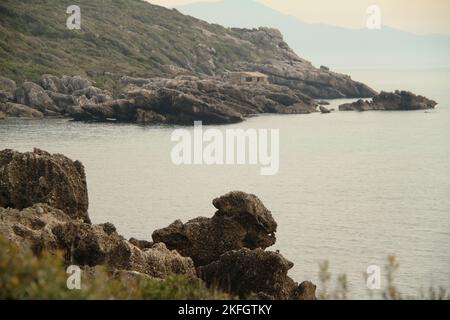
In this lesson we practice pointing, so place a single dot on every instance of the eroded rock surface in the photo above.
(16, 110)
(42, 227)
(242, 221)
(7, 89)
(39, 177)
(248, 272)
(34, 96)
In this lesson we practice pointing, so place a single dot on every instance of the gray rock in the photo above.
(257, 272)
(391, 101)
(63, 101)
(7, 89)
(242, 221)
(34, 96)
(19, 110)
(44, 228)
(186, 99)
(39, 177)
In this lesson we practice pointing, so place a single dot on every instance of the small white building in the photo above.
(248, 78)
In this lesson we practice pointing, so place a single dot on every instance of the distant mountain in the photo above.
(330, 45)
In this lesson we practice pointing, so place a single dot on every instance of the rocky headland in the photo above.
(180, 100)
(391, 101)
(44, 207)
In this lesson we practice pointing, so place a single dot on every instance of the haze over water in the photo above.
(352, 188)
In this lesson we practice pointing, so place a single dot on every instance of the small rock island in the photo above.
(391, 101)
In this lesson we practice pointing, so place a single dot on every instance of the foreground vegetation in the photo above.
(25, 276)
(129, 37)
(390, 292)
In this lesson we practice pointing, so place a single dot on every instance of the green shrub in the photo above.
(25, 276)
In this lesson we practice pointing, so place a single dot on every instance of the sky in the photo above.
(416, 16)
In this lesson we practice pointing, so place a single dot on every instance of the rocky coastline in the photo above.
(177, 101)
(44, 207)
(391, 101)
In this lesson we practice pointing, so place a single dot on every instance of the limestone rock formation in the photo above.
(184, 100)
(7, 89)
(242, 221)
(245, 272)
(42, 227)
(10, 109)
(34, 96)
(39, 177)
(43, 206)
(286, 68)
(391, 101)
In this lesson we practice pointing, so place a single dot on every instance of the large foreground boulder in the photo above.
(42, 227)
(247, 272)
(242, 221)
(391, 101)
(39, 177)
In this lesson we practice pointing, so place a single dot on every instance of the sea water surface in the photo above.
(353, 188)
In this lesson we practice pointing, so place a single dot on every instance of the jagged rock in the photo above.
(19, 110)
(242, 221)
(65, 84)
(63, 101)
(98, 95)
(7, 89)
(34, 96)
(7, 85)
(141, 244)
(2, 115)
(42, 227)
(305, 291)
(324, 110)
(247, 272)
(185, 99)
(391, 101)
(39, 177)
(359, 105)
(149, 117)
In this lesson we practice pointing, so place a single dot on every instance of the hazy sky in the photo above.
(418, 16)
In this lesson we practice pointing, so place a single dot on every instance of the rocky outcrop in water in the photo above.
(39, 177)
(391, 101)
(245, 272)
(34, 96)
(322, 109)
(242, 221)
(181, 100)
(228, 250)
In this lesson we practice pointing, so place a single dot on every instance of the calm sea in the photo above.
(353, 188)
